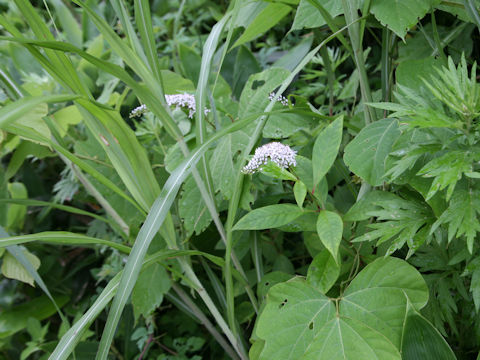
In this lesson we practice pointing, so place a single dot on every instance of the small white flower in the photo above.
(281, 99)
(179, 100)
(139, 111)
(280, 154)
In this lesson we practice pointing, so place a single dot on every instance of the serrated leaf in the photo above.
(268, 217)
(461, 216)
(401, 15)
(366, 154)
(323, 272)
(192, 208)
(299, 322)
(325, 149)
(330, 229)
(153, 282)
(12, 269)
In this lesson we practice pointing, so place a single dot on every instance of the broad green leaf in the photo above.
(16, 318)
(265, 20)
(296, 54)
(346, 338)
(308, 16)
(192, 208)
(325, 149)
(421, 341)
(12, 269)
(281, 126)
(268, 217)
(221, 162)
(294, 314)
(254, 98)
(330, 229)
(299, 322)
(366, 154)
(175, 84)
(410, 73)
(401, 15)
(153, 282)
(377, 296)
(323, 272)
(299, 191)
(16, 213)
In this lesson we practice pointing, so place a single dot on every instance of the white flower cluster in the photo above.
(281, 99)
(138, 111)
(179, 100)
(280, 154)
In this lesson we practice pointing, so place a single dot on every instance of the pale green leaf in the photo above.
(299, 191)
(268, 217)
(366, 154)
(330, 229)
(153, 282)
(323, 271)
(325, 149)
(12, 269)
(192, 208)
(265, 20)
(401, 15)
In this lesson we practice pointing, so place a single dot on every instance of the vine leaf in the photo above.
(401, 15)
(300, 322)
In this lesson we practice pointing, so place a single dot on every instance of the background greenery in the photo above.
(139, 237)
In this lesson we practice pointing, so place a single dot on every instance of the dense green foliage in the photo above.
(284, 179)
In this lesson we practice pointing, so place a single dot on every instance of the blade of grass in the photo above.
(61, 237)
(151, 225)
(73, 336)
(472, 11)
(356, 36)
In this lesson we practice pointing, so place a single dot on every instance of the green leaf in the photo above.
(273, 170)
(366, 154)
(461, 216)
(192, 208)
(323, 272)
(401, 15)
(153, 282)
(268, 217)
(325, 149)
(308, 16)
(300, 191)
(12, 269)
(475, 288)
(16, 318)
(299, 322)
(421, 341)
(254, 98)
(265, 20)
(330, 229)
(16, 213)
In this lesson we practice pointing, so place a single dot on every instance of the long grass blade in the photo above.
(63, 238)
(150, 227)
